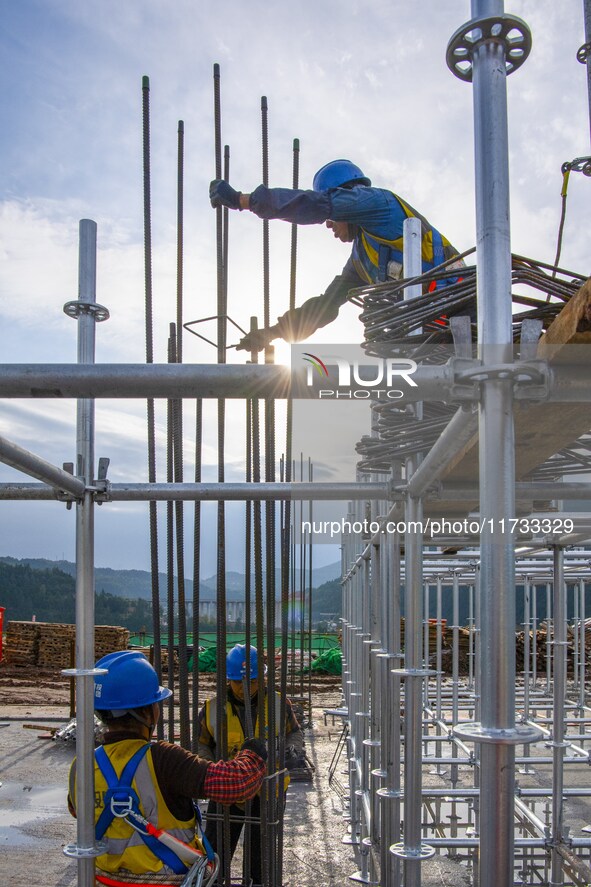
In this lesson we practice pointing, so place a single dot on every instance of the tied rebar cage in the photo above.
(460, 736)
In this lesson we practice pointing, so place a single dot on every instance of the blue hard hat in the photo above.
(130, 682)
(236, 663)
(338, 173)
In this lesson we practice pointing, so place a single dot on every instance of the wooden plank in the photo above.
(571, 327)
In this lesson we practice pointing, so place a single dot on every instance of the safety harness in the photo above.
(121, 801)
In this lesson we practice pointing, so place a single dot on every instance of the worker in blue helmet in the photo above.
(243, 712)
(144, 791)
(369, 218)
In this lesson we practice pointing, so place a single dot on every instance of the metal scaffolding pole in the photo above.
(192, 492)
(558, 743)
(411, 850)
(490, 61)
(84, 310)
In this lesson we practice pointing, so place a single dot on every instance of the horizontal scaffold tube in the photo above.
(121, 380)
(241, 492)
(565, 383)
(453, 438)
(33, 465)
(460, 492)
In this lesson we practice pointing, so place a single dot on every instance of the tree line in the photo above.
(50, 596)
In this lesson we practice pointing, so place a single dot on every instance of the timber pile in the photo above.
(432, 633)
(49, 644)
(21, 645)
(541, 647)
(164, 661)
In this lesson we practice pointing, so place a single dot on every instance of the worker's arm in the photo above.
(299, 323)
(184, 775)
(231, 782)
(301, 207)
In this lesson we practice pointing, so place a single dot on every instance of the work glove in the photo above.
(222, 194)
(257, 340)
(257, 746)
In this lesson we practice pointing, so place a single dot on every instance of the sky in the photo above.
(368, 82)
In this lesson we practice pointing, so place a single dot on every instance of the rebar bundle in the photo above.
(391, 322)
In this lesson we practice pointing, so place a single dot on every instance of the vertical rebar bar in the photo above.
(587, 17)
(170, 602)
(221, 606)
(153, 512)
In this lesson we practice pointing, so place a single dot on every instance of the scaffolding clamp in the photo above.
(102, 491)
(463, 388)
(530, 378)
(101, 485)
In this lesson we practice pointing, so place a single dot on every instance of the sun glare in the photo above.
(282, 352)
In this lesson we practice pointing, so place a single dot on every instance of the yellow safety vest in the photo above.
(372, 255)
(125, 847)
(235, 731)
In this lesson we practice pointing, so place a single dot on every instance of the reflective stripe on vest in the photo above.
(372, 254)
(125, 847)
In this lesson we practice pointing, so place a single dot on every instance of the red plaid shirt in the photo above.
(229, 782)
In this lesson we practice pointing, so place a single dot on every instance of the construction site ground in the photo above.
(35, 824)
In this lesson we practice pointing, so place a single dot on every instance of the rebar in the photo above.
(151, 421)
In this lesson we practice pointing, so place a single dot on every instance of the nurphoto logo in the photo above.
(370, 378)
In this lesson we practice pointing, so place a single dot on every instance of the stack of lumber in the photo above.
(164, 661)
(432, 632)
(49, 644)
(55, 645)
(21, 645)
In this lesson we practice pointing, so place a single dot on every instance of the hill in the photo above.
(138, 583)
(50, 595)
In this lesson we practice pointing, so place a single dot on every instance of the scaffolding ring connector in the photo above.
(508, 30)
(519, 373)
(74, 851)
(583, 53)
(522, 734)
(76, 308)
(425, 851)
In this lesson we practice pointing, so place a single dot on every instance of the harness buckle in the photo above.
(121, 806)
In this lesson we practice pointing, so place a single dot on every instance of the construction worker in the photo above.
(369, 218)
(143, 786)
(242, 720)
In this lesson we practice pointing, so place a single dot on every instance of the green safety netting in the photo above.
(330, 662)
